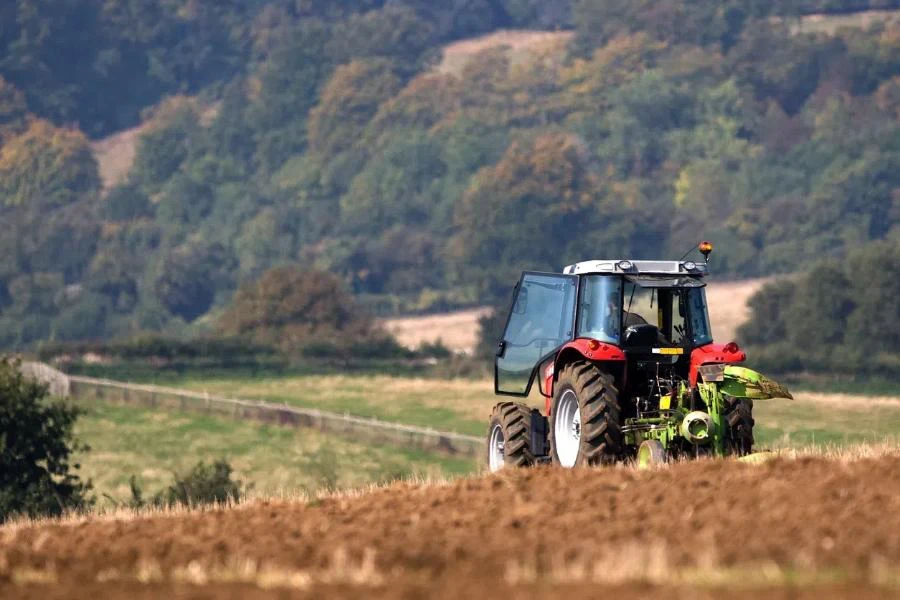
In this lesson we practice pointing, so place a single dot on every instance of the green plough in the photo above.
(718, 425)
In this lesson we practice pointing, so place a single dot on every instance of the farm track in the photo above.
(799, 528)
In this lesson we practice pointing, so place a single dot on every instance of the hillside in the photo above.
(692, 529)
(423, 154)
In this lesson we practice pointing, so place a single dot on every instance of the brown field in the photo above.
(833, 23)
(521, 44)
(728, 305)
(798, 526)
(115, 155)
(459, 330)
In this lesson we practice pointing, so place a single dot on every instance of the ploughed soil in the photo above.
(788, 528)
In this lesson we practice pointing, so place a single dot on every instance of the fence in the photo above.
(358, 428)
(56, 381)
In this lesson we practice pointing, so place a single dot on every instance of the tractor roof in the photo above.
(639, 267)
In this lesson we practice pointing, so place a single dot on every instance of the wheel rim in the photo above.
(644, 460)
(567, 429)
(495, 449)
(650, 454)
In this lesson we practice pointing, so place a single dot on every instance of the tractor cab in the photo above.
(646, 315)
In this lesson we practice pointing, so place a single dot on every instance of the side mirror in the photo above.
(521, 304)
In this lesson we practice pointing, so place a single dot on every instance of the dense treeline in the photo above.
(840, 317)
(326, 134)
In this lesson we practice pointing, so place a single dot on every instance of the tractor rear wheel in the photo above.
(738, 418)
(509, 437)
(585, 426)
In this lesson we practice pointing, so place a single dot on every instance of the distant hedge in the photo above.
(840, 317)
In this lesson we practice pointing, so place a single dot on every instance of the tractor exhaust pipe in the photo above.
(696, 427)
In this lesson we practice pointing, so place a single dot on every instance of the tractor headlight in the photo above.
(625, 265)
(690, 265)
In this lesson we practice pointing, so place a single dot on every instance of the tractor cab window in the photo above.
(600, 308)
(540, 321)
(665, 311)
(699, 316)
(641, 306)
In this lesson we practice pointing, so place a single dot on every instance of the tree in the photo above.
(38, 442)
(396, 187)
(188, 278)
(349, 101)
(818, 315)
(394, 33)
(874, 325)
(524, 212)
(46, 167)
(12, 110)
(165, 143)
(288, 306)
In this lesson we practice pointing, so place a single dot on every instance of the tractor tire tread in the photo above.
(738, 416)
(515, 421)
(598, 401)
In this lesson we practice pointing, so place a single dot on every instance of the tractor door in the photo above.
(541, 319)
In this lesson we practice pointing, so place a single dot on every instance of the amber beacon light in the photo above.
(706, 249)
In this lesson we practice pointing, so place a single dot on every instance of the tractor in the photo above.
(623, 353)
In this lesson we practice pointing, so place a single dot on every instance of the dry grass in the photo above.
(115, 155)
(457, 330)
(831, 24)
(521, 44)
(728, 305)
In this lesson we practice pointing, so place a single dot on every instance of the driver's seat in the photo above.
(643, 335)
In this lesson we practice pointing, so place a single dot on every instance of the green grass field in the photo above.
(464, 406)
(152, 445)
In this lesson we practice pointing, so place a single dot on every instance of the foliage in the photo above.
(202, 485)
(288, 307)
(37, 441)
(46, 167)
(840, 317)
(324, 134)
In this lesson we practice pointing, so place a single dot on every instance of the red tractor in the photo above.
(623, 352)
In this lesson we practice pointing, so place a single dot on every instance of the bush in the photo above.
(156, 347)
(202, 485)
(37, 441)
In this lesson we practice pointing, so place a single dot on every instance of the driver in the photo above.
(631, 318)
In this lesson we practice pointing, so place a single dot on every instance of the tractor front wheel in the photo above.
(585, 417)
(651, 454)
(509, 437)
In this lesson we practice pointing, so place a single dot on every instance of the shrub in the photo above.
(202, 485)
(37, 441)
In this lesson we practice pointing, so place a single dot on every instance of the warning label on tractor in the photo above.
(668, 351)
